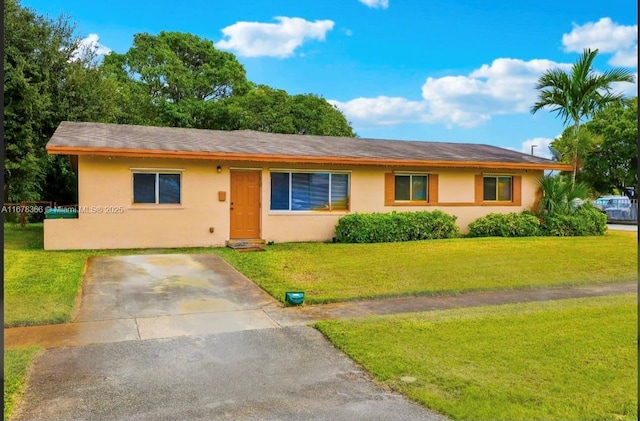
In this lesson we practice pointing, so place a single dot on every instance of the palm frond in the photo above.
(558, 195)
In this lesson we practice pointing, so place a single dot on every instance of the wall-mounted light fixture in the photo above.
(219, 169)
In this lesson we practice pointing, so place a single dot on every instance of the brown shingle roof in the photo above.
(76, 138)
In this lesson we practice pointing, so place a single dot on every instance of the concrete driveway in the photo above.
(172, 295)
(192, 342)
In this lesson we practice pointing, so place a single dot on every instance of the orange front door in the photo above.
(245, 204)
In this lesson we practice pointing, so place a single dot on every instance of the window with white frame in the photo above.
(309, 191)
(157, 187)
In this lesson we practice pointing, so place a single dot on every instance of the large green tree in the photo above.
(613, 162)
(274, 110)
(49, 77)
(167, 79)
(578, 94)
(314, 115)
(181, 80)
(36, 53)
(567, 144)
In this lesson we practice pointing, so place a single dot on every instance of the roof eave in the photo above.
(226, 156)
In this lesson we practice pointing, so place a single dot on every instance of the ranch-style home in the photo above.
(142, 187)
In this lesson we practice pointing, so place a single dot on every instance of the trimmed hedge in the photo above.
(505, 225)
(585, 220)
(395, 226)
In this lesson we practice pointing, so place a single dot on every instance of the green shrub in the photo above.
(395, 226)
(511, 224)
(586, 220)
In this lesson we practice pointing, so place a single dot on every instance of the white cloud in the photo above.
(540, 147)
(256, 39)
(376, 4)
(382, 110)
(604, 35)
(608, 37)
(90, 46)
(625, 58)
(506, 86)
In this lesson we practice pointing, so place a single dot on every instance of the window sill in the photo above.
(498, 203)
(307, 213)
(156, 207)
(412, 203)
(453, 204)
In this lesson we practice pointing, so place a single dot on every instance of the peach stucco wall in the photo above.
(105, 184)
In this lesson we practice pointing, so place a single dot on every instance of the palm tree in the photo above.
(558, 196)
(578, 94)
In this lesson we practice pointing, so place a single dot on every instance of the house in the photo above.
(144, 187)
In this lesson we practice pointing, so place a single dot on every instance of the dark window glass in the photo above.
(169, 188)
(419, 187)
(309, 191)
(144, 188)
(300, 197)
(489, 188)
(279, 191)
(319, 191)
(403, 187)
(339, 191)
(497, 189)
(504, 188)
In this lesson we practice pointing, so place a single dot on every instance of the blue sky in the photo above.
(441, 70)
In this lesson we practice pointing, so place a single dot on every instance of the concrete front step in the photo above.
(251, 244)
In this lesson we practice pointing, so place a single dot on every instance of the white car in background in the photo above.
(614, 206)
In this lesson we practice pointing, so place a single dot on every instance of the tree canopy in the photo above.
(273, 110)
(181, 80)
(48, 78)
(169, 79)
(166, 79)
(607, 149)
(613, 162)
(566, 144)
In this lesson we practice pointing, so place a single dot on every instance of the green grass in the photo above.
(40, 287)
(337, 272)
(565, 360)
(16, 362)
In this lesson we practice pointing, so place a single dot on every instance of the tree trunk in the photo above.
(576, 129)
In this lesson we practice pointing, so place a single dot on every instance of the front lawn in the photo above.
(40, 286)
(560, 360)
(16, 363)
(337, 272)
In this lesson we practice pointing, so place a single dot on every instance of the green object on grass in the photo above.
(294, 298)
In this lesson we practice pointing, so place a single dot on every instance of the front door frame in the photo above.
(233, 235)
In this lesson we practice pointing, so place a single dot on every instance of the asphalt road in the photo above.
(622, 227)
